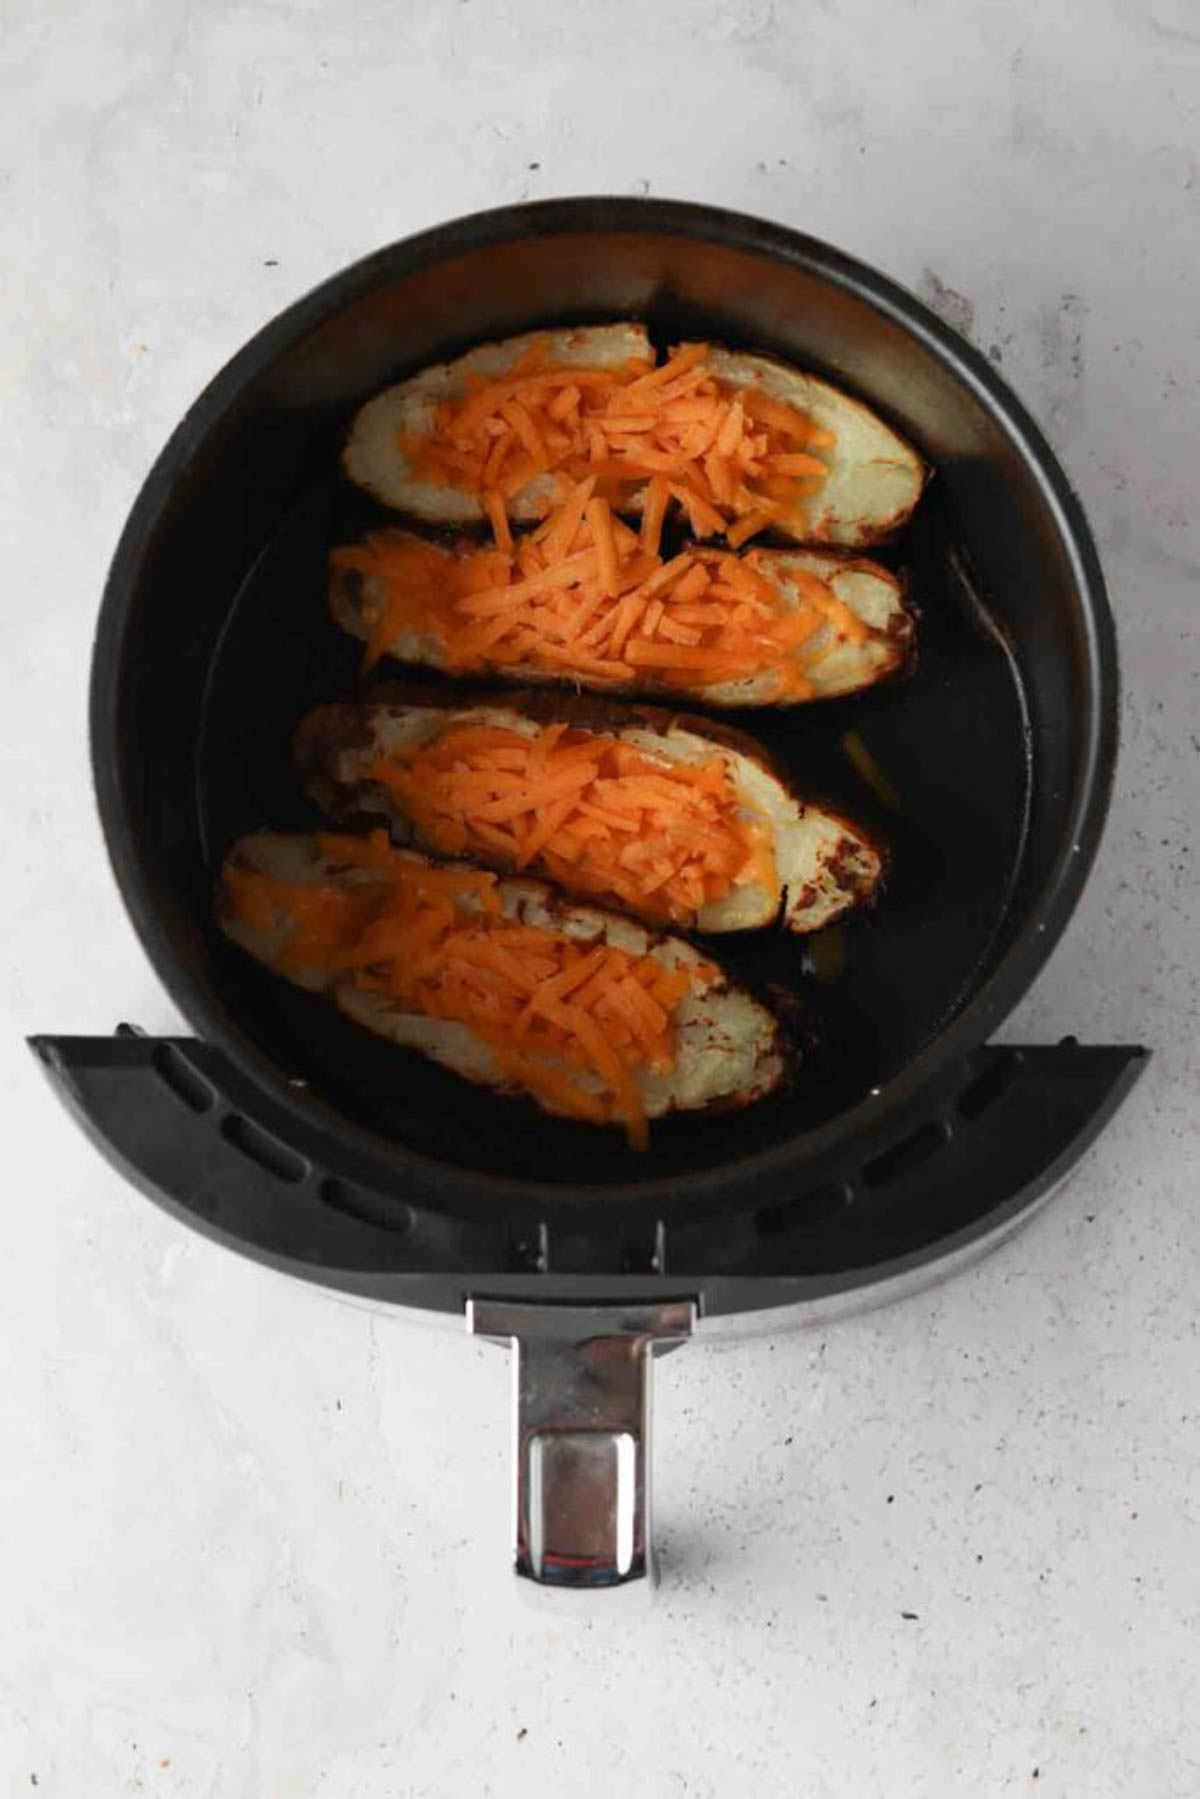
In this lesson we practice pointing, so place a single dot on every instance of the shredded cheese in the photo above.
(662, 837)
(733, 458)
(584, 598)
(571, 1021)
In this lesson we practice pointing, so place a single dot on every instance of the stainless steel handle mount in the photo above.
(581, 1378)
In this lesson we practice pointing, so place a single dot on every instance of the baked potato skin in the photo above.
(729, 1050)
(825, 863)
(872, 592)
(875, 478)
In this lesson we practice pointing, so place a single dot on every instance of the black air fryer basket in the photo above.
(906, 1146)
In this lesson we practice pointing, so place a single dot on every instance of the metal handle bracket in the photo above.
(581, 1380)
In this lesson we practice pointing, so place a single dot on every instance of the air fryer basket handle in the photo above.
(581, 1377)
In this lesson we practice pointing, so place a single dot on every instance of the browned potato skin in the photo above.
(831, 864)
(887, 653)
(729, 1048)
(874, 483)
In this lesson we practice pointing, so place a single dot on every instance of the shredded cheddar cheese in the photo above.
(571, 1021)
(584, 597)
(732, 457)
(660, 836)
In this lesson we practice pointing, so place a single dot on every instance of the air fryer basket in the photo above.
(214, 637)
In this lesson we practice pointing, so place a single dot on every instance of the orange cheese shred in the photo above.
(493, 505)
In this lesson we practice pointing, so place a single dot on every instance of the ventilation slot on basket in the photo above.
(991, 1085)
(906, 1155)
(644, 1250)
(177, 1073)
(809, 1209)
(264, 1149)
(369, 1208)
(527, 1250)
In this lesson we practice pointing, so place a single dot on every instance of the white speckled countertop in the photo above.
(253, 1540)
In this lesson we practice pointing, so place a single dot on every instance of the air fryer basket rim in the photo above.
(1080, 837)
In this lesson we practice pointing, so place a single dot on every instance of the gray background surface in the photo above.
(252, 1540)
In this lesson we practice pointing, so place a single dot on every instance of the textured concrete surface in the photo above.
(252, 1541)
